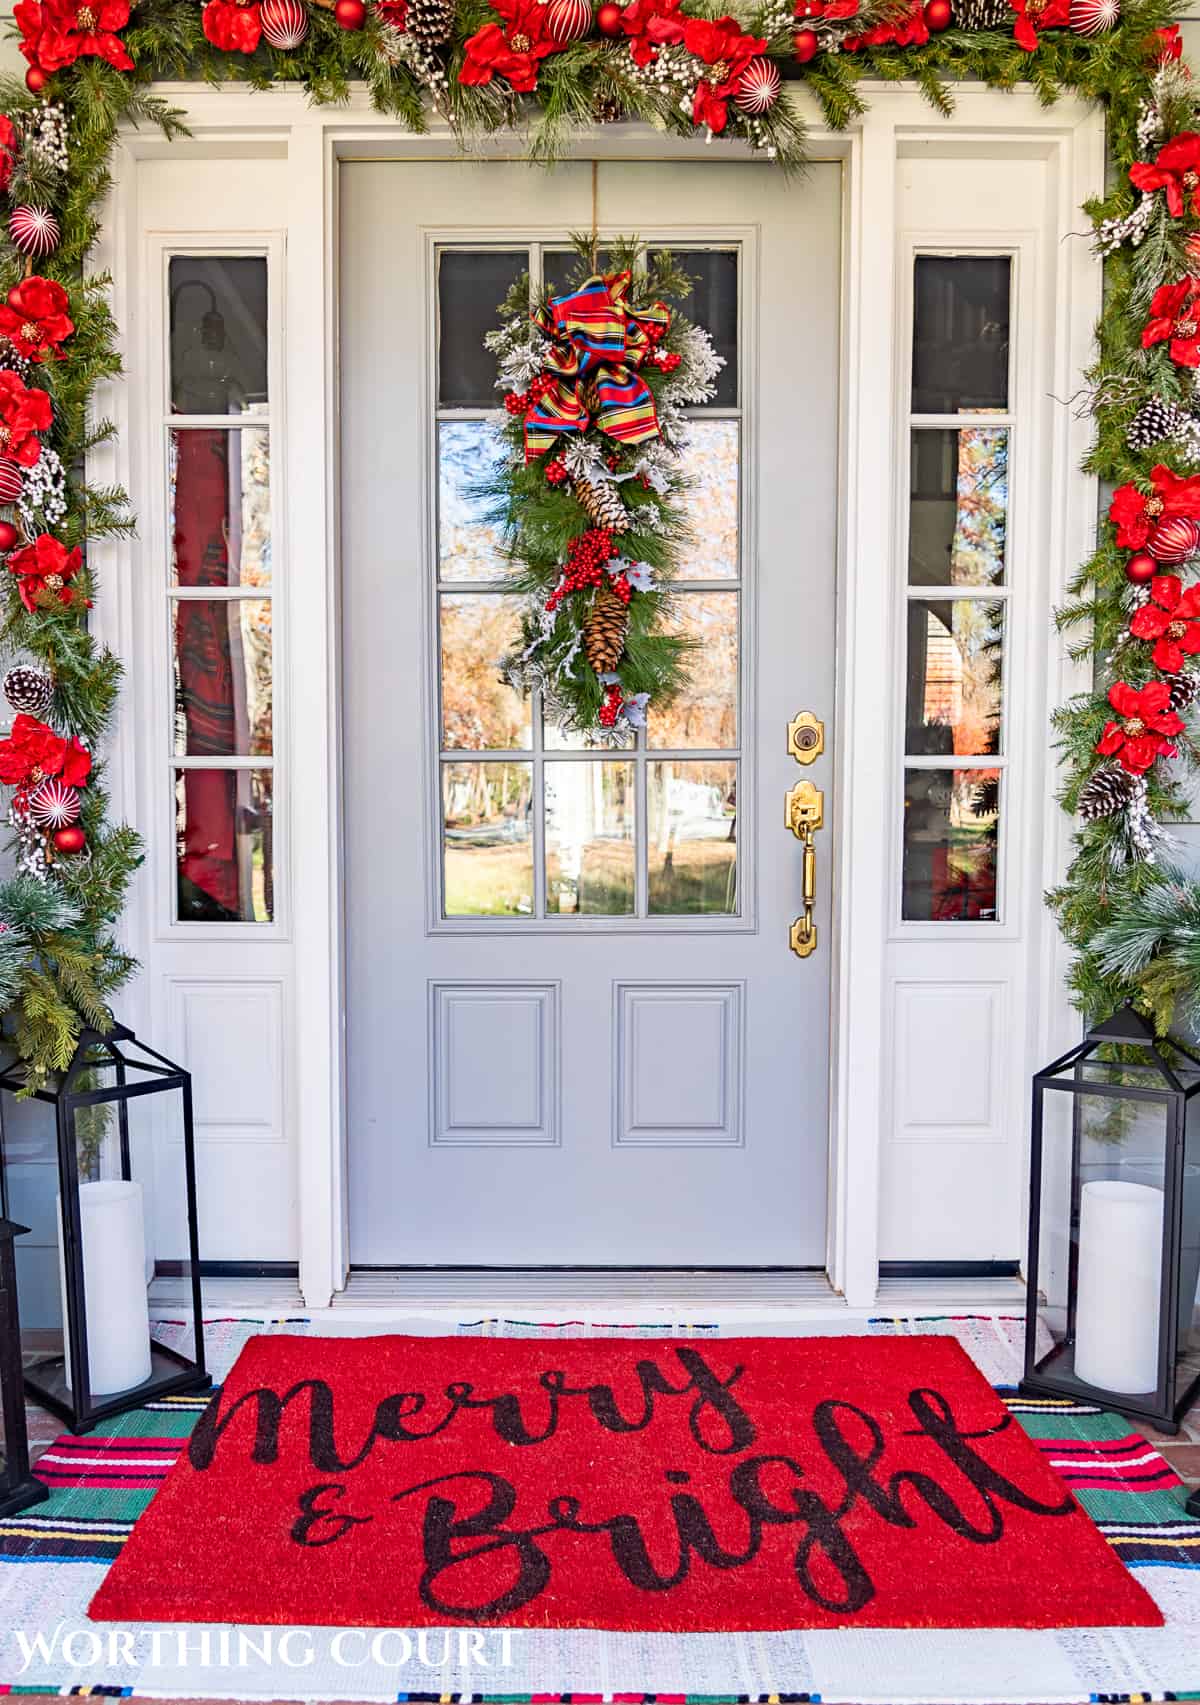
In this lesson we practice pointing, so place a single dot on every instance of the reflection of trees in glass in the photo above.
(951, 821)
(705, 714)
(256, 571)
(977, 551)
(711, 467)
(479, 711)
(692, 837)
(589, 838)
(488, 845)
(958, 673)
(468, 547)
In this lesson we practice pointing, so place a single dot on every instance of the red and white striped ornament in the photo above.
(12, 480)
(1093, 17)
(1174, 540)
(758, 86)
(568, 20)
(53, 804)
(34, 231)
(284, 23)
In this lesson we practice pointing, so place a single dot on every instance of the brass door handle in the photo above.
(804, 814)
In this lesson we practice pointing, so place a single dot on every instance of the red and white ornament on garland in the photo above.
(34, 231)
(284, 23)
(12, 480)
(54, 805)
(568, 20)
(1174, 540)
(757, 89)
(1093, 17)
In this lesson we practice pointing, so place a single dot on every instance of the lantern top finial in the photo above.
(1125, 1025)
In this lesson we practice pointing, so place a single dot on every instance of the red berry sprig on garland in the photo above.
(516, 402)
(610, 710)
(586, 557)
(556, 471)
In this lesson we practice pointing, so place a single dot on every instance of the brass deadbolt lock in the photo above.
(806, 737)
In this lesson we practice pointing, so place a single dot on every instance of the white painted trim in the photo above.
(239, 124)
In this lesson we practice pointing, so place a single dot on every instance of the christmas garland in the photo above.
(551, 70)
(590, 495)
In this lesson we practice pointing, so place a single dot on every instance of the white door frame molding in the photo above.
(240, 127)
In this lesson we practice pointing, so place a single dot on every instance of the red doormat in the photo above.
(679, 1484)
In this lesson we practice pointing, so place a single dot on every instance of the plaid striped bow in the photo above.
(597, 345)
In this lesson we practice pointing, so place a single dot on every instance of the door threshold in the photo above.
(540, 1288)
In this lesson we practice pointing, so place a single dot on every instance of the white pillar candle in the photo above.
(1120, 1272)
(114, 1285)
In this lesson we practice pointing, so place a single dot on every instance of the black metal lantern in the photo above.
(1114, 1225)
(85, 1266)
(18, 1488)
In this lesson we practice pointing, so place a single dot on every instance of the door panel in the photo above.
(576, 1031)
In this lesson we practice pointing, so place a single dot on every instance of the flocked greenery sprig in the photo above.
(484, 66)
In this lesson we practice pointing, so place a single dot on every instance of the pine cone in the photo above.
(981, 14)
(12, 361)
(607, 109)
(1106, 793)
(29, 690)
(1184, 688)
(604, 634)
(1155, 421)
(430, 22)
(603, 505)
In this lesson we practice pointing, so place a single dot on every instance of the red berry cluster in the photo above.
(586, 557)
(610, 710)
(666, 359)
(540, 386)
(656, 331)
(516, 402)
(556, 471)
(622, 588)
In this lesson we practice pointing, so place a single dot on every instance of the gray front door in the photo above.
(576, 1031)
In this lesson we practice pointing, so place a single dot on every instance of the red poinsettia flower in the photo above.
(1172, 620)
(1167, 44)
(231, 27)
(907, 30)
(1146, 719)
(23, 414)
(393, 12)
(721, 45)
(1176, 169)
(825, 8)
(45, 570)
(651, 24)
(1035, 15)
(33, 751)
(512, 51)
(8, 149)
(1136, 515)
(55, 33)
(34, 317)
(1175, 320)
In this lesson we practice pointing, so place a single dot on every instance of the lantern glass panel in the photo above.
(1189, 1251)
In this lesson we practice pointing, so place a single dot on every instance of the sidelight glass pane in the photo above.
(692, 833)
(218, 333)
(710, 466)
(713, 304)
(222, 675)
(487, 840)
(960, 333)
(469, 546)
(471, 285)
(224, 846)
(589, 838)
(220, 507)
(955, 664)
(705, 713)
(480, 712)
(951, 831)
(958, 507)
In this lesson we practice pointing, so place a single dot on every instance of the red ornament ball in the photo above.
(34, 231)
(350, 14)
(35, 79)
(1141, 568)
(608, 19)
(1174, 540)
(938, 15)
(284, 23)
(8, 537)
(568, 20)
(70, 840)
(807, 45)
(1093, 17)
(12, 480)
(757, 89)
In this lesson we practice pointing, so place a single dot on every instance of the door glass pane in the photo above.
(469, 547)
(958, 507)
(951, 827)
(710, 466)
(471, 286)
(562, 269)
(589, 838)
(224, 846)
(955, 659)
(218, 332)
(487, 839)
(480, 712)
(692, 827)
(960, 333)
(220, 507)
(222, 664)
(713, 304)
(705, 713)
